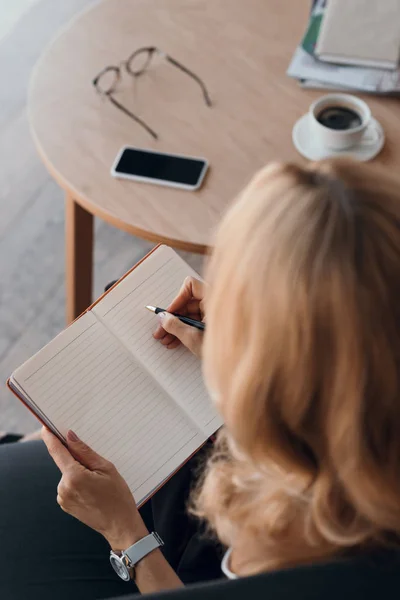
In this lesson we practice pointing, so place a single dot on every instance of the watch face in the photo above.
(119, 567)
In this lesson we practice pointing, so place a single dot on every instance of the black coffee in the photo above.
(339, 117)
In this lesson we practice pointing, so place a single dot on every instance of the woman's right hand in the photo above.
(189, 302)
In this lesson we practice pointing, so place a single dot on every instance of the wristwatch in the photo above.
(124, 562)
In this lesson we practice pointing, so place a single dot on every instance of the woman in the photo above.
(301, 356)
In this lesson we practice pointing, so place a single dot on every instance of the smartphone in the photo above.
(172, 170)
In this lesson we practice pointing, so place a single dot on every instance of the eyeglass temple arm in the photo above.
(134, 117)
(193, 76)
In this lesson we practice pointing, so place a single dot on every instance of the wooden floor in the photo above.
(32, 304)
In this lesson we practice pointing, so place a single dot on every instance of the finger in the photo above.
(168, 339)
(174, 344)
(61, 504)
(193, 307)
(197, 316)
(194, 313)
(164, 337)
(189, 336)
(84, 454)
(159, 333)
(58, 452)
(201, 306)
(191, 288)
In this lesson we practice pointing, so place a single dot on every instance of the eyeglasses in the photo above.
(107, 81)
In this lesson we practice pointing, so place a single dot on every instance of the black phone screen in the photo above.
(155, 165)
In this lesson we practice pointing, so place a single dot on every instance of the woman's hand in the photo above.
(92, 490)
(190, 303)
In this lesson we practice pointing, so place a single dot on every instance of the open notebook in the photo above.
(141, 406)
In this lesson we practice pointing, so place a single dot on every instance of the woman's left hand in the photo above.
(92, 490)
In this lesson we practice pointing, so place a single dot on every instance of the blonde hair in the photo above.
(302, 351)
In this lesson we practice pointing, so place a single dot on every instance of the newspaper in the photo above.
(312, 84)
(377, 81)
(317, 74)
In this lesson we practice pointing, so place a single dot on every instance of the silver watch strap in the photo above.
(143, 547)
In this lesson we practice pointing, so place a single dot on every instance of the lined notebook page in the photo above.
(86, 381)
(156, 281)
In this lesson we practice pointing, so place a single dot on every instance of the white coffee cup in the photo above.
(341, 139)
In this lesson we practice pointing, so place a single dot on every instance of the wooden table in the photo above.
(241, 49)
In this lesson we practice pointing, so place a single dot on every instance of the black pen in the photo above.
(187, 320)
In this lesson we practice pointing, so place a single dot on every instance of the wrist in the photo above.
(128, 534)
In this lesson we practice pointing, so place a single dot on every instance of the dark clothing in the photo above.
(362, 578)
(10, 438)
(46, 554)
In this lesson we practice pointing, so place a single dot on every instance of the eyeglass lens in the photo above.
(107, 81)
(139, 61)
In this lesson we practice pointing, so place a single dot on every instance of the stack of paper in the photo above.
(321, 43)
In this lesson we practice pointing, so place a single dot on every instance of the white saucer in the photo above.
(311, 149)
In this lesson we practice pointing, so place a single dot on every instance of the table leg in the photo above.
(79, 258)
